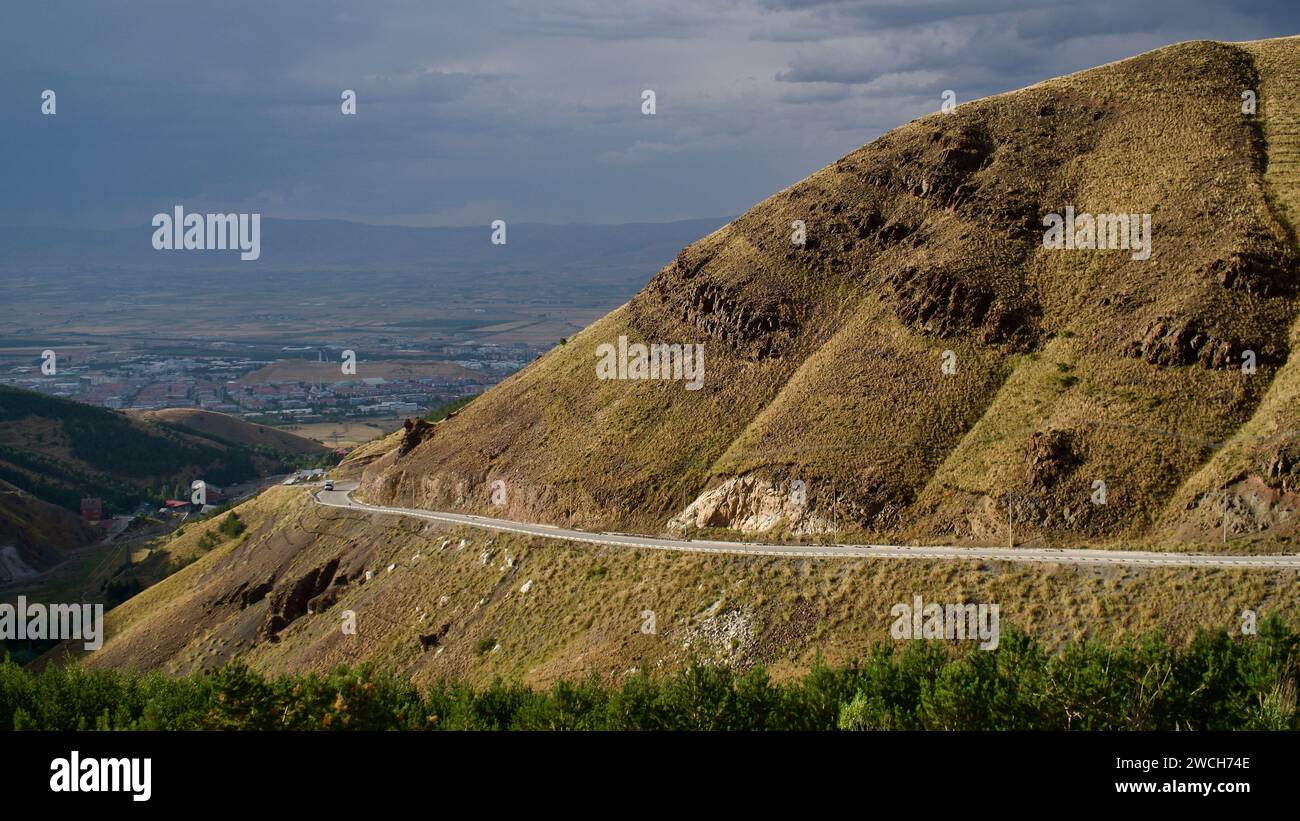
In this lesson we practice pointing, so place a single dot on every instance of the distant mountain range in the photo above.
(334, 244)
(318, 245)
(575, 258)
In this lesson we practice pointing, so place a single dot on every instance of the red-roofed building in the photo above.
(92, 509)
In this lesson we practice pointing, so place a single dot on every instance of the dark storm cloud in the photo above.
(470, 111)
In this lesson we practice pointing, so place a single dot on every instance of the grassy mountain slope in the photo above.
(236, 431)
(35, 535)
(1255, 475)
(823, 365)
(277, 596)
(823, 361)
(60, 451)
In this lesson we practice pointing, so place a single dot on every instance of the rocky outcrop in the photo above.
(1249, 507)
(751, 319)
(722, 637)
(1281, 467)
(1174, 341)
(1051, 456)
(944, 166)
(417, 430)
(246, 593)
(937, 301)
(1262, 274)
(753, 505)
(429, 641)
(294, 599)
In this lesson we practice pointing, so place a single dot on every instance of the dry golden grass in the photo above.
(585, 608)
(344, 433)
(823, 362)
(233, 429)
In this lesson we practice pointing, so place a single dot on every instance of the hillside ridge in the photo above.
(826, 414)
(824, 360)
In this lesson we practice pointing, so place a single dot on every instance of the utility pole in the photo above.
(681, 511)
(1011, 500)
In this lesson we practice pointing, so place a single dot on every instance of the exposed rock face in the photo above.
(1174, 341)
(417, 430)
(294, 599)
(1281, 467)
(1051, 455)
(246, 594)
(429, 641)
(945, 166)
(1248, 507)
(1255, 273)
(326, 598)
(941, 302)
(752, 320)
(753, 505)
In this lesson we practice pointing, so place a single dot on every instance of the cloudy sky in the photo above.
(527, 111)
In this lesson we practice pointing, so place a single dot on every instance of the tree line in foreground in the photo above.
(1215, 682)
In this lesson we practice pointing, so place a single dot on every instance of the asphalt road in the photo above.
(341, 497)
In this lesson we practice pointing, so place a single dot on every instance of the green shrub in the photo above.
(1217, 682)
(231, 526)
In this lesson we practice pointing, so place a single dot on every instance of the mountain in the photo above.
(60, 451)
(824, 363)
(1094, 395)
(231, 429)
(36, 535)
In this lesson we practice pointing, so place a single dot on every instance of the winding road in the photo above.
(341, 497)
